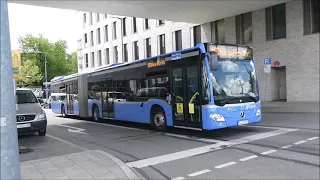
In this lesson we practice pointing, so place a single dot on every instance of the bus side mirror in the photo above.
(213, 61)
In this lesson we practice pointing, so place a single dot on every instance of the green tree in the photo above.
(35, 48)
(72, 66)
(29, 74)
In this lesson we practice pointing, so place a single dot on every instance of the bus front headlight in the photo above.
(217, 117)
(258, 113)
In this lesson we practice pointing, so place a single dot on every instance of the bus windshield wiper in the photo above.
(223, 102)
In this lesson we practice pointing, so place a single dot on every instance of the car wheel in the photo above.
(158, 120)
(42, 132)
(95, 114)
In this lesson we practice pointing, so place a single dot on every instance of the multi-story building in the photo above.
(287, 33)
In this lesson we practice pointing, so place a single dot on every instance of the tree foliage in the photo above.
(39, 48)
(29, 74)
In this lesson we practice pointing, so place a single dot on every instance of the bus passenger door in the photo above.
(107, 98)
(69, 99)
(186, 96)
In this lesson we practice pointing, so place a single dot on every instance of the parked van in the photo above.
(31, 117)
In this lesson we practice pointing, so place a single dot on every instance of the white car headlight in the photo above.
(42, 115)
(258, 113)
(217, 117)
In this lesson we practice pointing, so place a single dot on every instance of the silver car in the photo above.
(31, 117)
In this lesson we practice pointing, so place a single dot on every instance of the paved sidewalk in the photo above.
(84, 165)
(290, 107)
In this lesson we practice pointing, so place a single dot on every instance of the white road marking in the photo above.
(299, 142)
(225, 165)
(204, 149)
(74, 129)
(313, 138)
(194, 138)
(199, 172)
(248, 158)
(261, 136)
(268, 152)
(173, 156)
(179, 178)
(286, 147)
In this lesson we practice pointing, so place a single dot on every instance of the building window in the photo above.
(87, 60)
(114, 32)
(106, 32)
(107, 56)
(196, 35)
(92, 59)
(311, 14)
(84, 18)
(85, 38)
(162, 44)
(219, 31)
(125, 52)
(135, 50)
(276, 22)
(91, 34)
(97, 17)
(244, 28)
(90, 20)
(99, 58)
(148, 47)
(134, 25)
(160, 22)
(146, 23)
(115, 54)
(124, 30)
(98, 36)
(178, 40)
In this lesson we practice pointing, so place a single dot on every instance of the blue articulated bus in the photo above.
(207, 87)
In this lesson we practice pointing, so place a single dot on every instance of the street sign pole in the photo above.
(10, 161)
(267, 69)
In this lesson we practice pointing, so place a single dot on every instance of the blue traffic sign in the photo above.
(47, 89)
(267, 61)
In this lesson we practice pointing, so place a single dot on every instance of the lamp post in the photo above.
(45, 68)
(122, 29)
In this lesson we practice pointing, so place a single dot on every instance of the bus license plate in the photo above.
(23, 125)
(243, 122)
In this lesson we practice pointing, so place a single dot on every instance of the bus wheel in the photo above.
(63, 111)
(158, 120)
(95, 114)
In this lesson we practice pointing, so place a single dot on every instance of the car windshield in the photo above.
(26, 96)
(234, 82)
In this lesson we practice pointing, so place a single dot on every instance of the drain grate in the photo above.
(23, 150)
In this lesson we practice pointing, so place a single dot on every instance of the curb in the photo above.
(130, 173)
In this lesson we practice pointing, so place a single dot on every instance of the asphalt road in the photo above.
(282, 146)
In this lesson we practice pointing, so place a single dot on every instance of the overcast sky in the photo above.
(53, 23)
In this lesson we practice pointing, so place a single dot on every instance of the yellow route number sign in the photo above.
(180, 108)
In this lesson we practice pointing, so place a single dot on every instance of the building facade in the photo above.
(287, 33)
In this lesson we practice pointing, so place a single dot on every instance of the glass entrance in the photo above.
(186, 95)
(107, 97)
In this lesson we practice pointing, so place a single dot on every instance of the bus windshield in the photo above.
(234, 81)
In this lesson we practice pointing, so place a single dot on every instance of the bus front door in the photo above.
(186, 96)
(107, 98)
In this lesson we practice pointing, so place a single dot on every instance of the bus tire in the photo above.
(63, 111)
(158, 119)
(95, 114)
